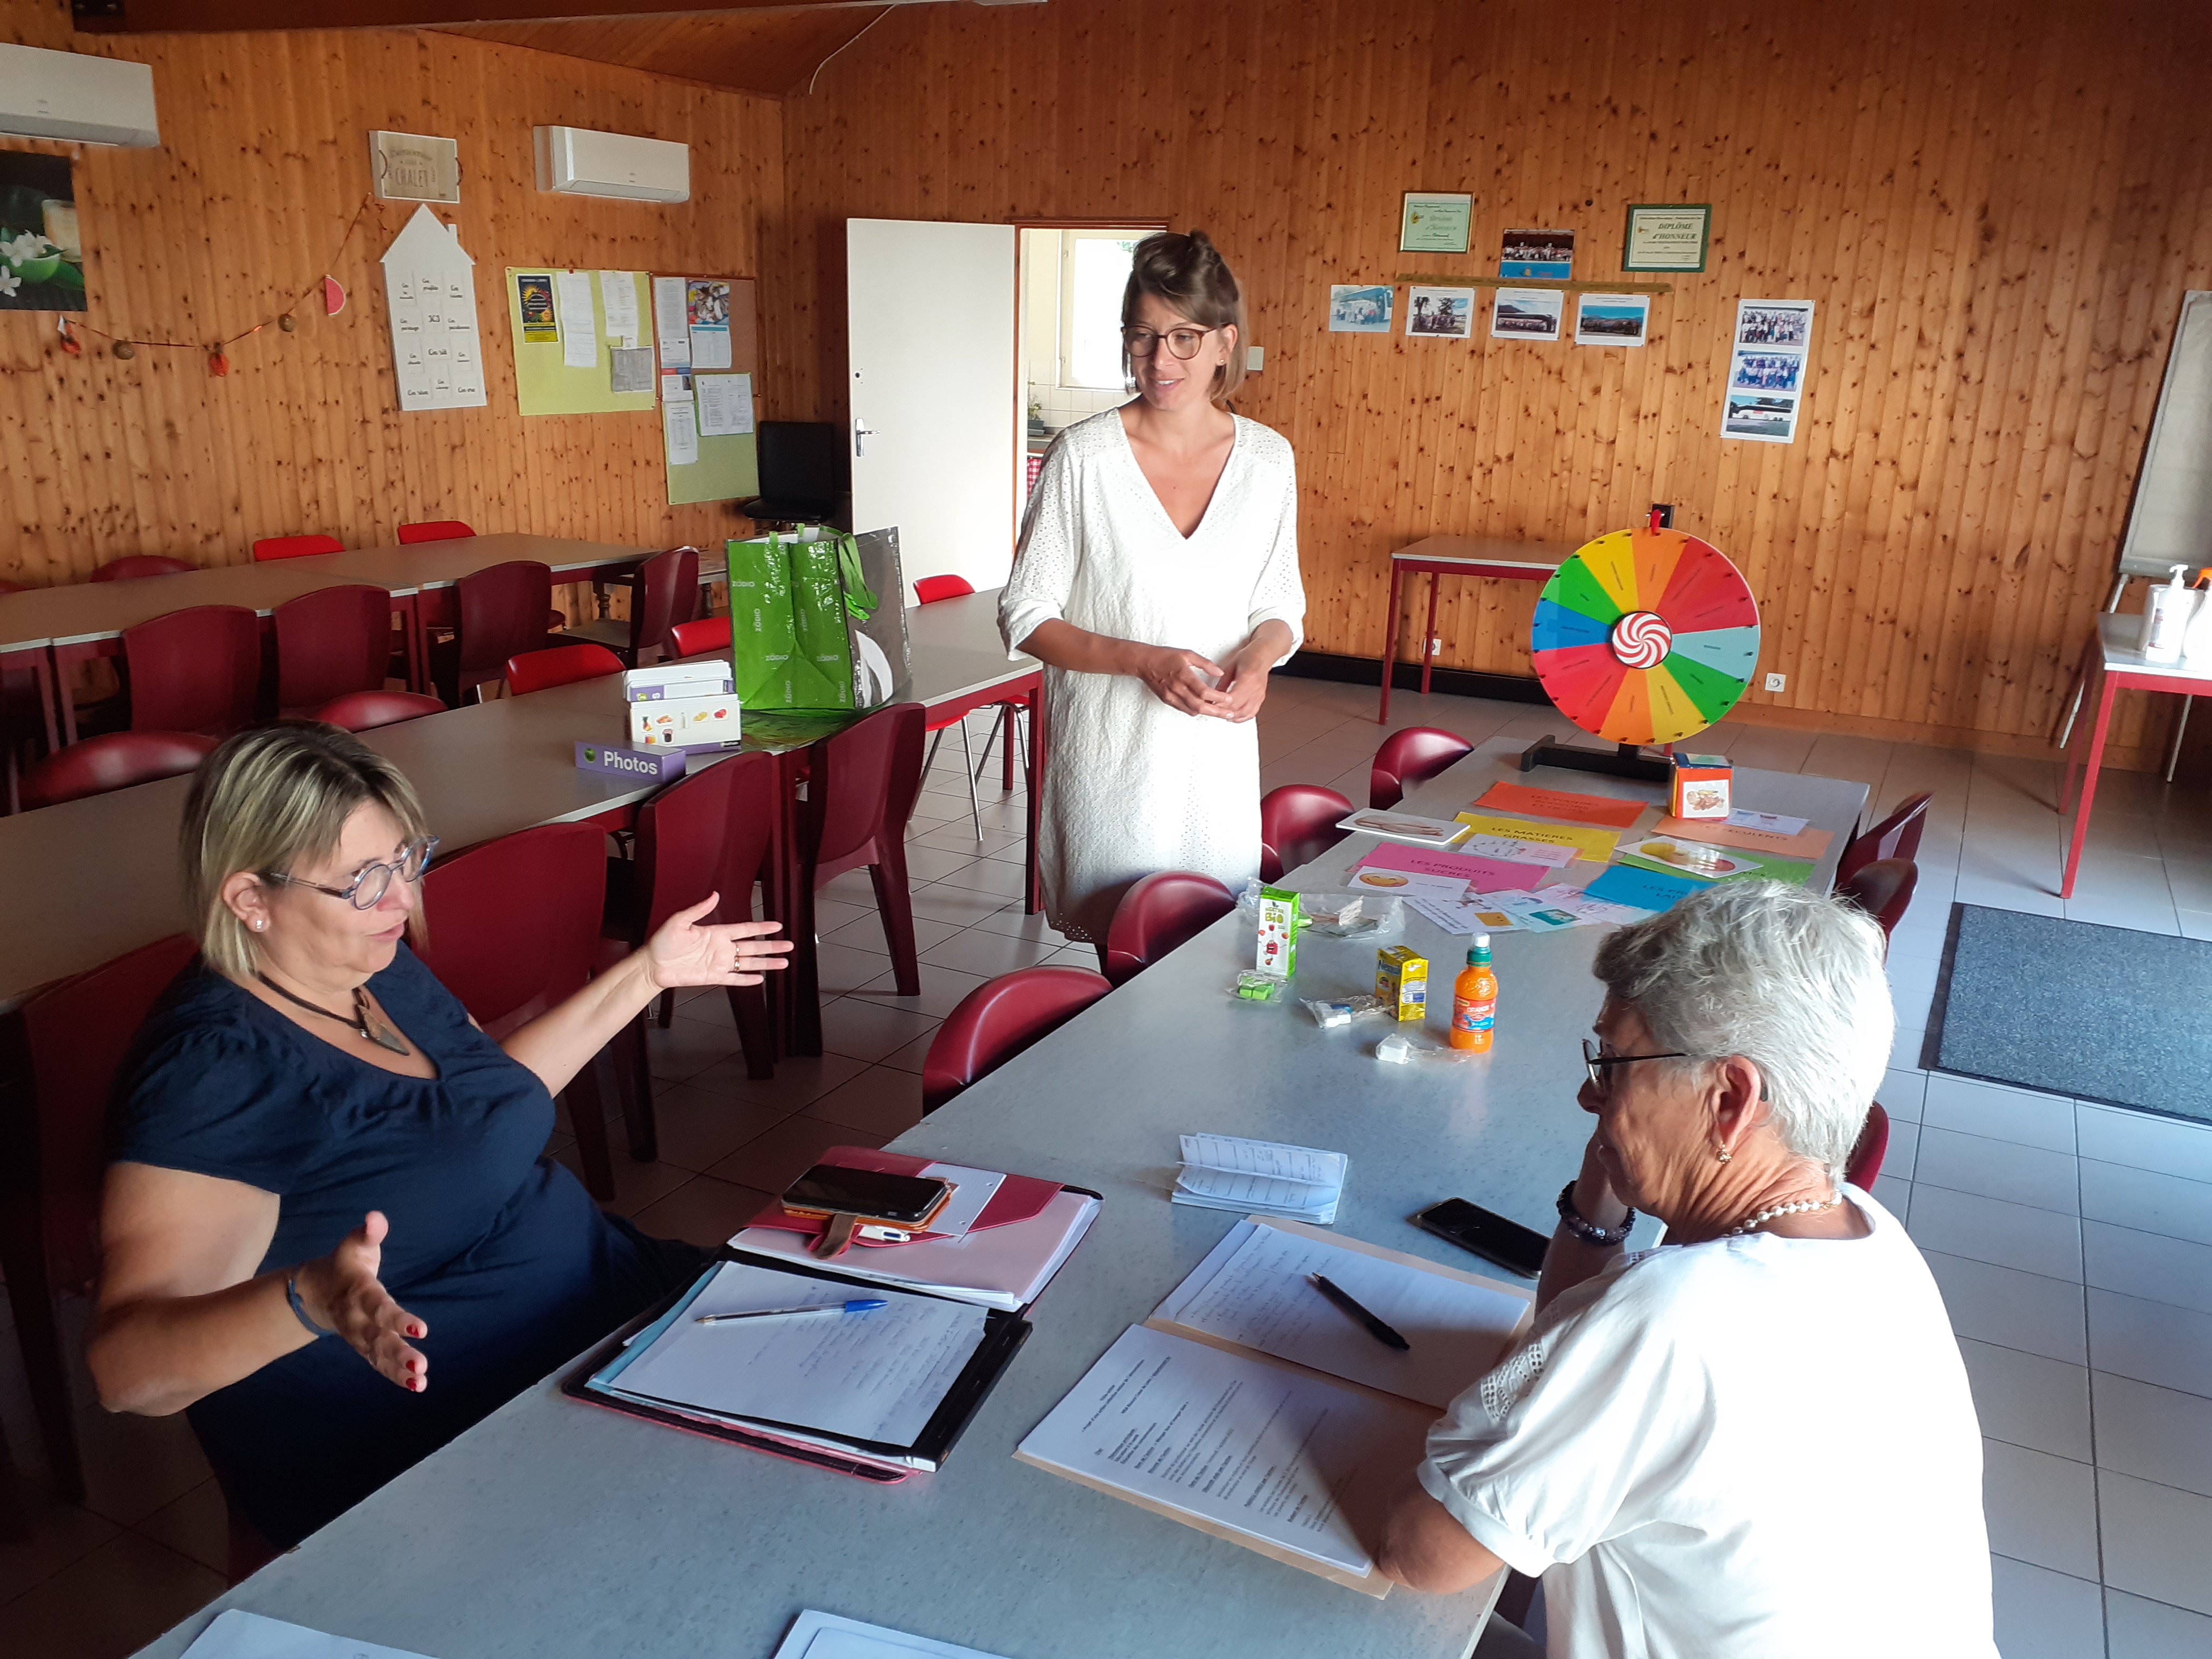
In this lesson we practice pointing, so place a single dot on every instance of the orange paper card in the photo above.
(1558, 803)
(1807, 846)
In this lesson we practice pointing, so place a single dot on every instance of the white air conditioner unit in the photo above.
(577, 162)
(73, 96)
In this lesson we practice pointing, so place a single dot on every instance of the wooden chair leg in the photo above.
(894, 902)
(637, 1099)
(755, 1029)
(588, 1117)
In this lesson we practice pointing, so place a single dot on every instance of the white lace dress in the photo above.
(1132, 785)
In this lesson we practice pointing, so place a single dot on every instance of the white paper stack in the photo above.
(1264, 1177)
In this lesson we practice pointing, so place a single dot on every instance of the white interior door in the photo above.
(935, 392)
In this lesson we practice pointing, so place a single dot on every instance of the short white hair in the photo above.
(1791, 981)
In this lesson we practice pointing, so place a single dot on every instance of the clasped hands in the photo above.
(1179, 679)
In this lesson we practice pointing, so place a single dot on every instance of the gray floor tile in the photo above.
(2147, 1265)
(942, 988)
(2026, 1400)
(2042, 1615)
(868, 1029)
(2157, 1541)
(2136, 1627)
(2010, 1308)
(1902, 1094)
(884, 1102)
(2021, 1236)
(2147, 1200)
(2110, 1134)
(1998, 1112)
(2150, 1341)
(2154, 1433)
(111, 1602)
(1998, 1169)
(2041, 1509)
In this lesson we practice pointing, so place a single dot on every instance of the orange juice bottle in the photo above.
(1474, 1000)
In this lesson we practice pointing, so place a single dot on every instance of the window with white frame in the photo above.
(1094, 270)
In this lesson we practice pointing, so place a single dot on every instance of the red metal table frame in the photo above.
(2117, 667)
(1439, 556)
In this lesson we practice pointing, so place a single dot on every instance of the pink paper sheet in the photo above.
(1487, 875)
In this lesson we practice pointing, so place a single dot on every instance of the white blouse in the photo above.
(1131, 785)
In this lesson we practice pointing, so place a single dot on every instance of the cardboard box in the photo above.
(1401, 982)
(704, 678)
(683, 722)
(1702, 787)
(1278, 932)
(647, 765)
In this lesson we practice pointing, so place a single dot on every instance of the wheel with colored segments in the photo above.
(1646, 636)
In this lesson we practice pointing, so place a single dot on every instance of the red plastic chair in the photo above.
(513, 927)
(502, 614)
(930, 589)
(295, 547)
(364, 711)
(141, 564)
(995, 1021)
(53, 1158)
(1883, 889)
(195, 670)
(711, 831)
(1411, 756)
(663, 592)
(560, 664)
(115, 761)
(1897, 837)
(1159, 912)
(1297, 822)
(695, 638)
(329, 642)
(1865, 1164)
(434, 529)
(861, 787)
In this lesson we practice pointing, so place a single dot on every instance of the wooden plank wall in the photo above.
(265, 158)
(1996, 206)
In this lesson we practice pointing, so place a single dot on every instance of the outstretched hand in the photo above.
(685, 952)
(343, 1292)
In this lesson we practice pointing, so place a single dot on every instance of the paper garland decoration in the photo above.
(1645, 636)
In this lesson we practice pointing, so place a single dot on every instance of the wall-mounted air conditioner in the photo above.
(76, 97)
(577, 162)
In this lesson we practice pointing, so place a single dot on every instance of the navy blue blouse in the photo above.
(496, 1245)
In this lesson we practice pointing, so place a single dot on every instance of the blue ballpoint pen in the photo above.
(860, 1305)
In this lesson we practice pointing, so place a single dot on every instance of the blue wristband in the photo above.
(298, 1309)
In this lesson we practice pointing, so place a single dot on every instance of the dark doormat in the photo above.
(2075, 1008)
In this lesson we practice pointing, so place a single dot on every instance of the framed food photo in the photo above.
(41, 260)
(1662, 237)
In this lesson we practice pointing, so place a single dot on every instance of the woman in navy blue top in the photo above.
(327, 1178)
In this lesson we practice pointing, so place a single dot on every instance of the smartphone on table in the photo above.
(830, 1189)
(1487, 1234)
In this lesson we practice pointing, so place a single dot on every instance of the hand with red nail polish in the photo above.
(341, 1291)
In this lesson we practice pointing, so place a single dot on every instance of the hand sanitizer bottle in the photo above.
(2166, 619)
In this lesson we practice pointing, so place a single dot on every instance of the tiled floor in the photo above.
(2072, 1242)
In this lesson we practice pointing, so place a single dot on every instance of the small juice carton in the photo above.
(1278, 933)
(1401, 982)
(1701, 787)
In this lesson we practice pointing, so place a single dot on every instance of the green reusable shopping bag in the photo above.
(791, 606)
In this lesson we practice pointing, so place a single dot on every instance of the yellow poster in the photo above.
(1588, 843)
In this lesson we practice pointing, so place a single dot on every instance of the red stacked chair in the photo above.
(1411, 756)
(434, 529)
(503, 611)
(695, 638)
(1297, 824)
(195, 670)
(364, 711)
(141, 564)
(295, 547)
(995, 1021)
(560, 664)
(1156, 915)
(114, 761)
(1897, 837)
(664, 593)
(329, 642)
(1883, 889)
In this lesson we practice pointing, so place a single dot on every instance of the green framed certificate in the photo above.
(1667, 238)
(1433, 223)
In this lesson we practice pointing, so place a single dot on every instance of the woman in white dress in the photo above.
(1158, 581)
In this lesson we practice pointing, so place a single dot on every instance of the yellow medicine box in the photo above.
(1401, 982)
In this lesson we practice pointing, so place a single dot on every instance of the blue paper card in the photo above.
(1646, 889)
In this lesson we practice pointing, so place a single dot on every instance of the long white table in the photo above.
(554, 1528)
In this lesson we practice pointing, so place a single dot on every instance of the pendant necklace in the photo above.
(364, 1024)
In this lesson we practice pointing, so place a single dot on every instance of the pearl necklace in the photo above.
(1802, 1205)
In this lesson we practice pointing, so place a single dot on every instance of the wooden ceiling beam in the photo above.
(237, 16)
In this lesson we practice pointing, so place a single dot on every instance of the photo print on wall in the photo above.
(1766, 370)
(1440, 313)
(1359, 310)
(41, 259)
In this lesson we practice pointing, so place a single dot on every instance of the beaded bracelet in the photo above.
(299, 1308)
(1589, 1232)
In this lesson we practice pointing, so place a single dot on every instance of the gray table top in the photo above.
(75, 613)
(1486, 550)
(97, 878)
(555, 1528)
(2120, 637)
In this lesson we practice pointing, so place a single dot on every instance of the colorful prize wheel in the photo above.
(1646, 636)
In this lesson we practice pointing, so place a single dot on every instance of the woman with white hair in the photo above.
(1664, 1447)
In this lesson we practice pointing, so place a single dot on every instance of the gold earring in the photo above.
(1725, 1155)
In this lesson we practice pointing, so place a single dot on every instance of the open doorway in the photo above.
(1070, 278)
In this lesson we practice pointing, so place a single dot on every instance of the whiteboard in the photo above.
(2171, 522)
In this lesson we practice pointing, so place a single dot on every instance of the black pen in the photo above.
(1376, 1328)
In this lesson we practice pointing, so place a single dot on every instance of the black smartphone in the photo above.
(1487, 1234)
(864, 1192)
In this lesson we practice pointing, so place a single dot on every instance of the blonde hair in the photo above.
(274, 798)
(1186, 271)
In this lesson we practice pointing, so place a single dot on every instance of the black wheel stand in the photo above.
(1628, 761)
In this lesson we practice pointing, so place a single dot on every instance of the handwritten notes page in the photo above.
(1225, 1172)
(1238, 1446)
(1253, 1290)
(879, 1376)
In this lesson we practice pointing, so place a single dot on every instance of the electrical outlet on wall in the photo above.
(1774, 682)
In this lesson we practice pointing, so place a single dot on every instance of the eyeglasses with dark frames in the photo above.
(372, 881)
(1183, 343)
(1597, 1063)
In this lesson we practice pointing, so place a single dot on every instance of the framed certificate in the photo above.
(1667, 238)
(1434, 224)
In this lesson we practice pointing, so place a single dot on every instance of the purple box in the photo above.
(647, 765)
